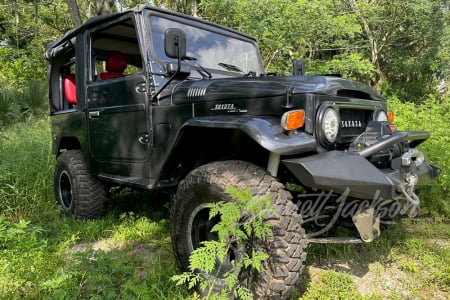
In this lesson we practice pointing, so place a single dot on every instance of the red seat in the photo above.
(116, 64)
(70, 90)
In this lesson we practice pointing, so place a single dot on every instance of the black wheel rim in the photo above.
(199, 227)
(65, 190)
(199, 230)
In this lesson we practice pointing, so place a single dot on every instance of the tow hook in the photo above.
(367, 224)
(410, 161)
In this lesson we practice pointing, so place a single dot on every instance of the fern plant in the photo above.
(242, 221)
(33, 98)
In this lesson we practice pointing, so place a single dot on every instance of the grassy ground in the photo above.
(128, 255)
(409, 261)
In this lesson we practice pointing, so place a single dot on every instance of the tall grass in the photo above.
(26, 168)
(8, 107)
(46, 256)
(131, 259)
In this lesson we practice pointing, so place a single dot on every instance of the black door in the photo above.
(118, 120)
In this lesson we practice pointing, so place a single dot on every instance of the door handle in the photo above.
(94, 114)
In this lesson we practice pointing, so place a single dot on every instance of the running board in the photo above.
(130, 181)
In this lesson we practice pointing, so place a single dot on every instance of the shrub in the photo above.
(32, 100)
(433, 115)
(23, 103)
(23, 258)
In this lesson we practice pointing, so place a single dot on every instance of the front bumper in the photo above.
(353, 174)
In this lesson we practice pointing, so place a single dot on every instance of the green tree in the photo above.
(26, 28)
(316, 31)
(402, 39)
(89, 8)
(399, 47)
(395, 46)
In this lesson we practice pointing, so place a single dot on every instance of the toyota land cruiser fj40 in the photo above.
(149, 98)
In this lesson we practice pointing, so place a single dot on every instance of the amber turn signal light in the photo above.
(293, 119)
(390, 116)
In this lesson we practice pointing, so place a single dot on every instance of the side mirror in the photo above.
(175, 47)
(175, 43)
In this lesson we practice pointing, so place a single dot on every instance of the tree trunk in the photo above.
(16, 18)
(375, 48)
(36, 12)
(104, 7)
(74, 12)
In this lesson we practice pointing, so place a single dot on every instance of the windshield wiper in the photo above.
(230, 67)
(202, 70)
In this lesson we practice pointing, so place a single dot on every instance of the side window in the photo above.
(63, 95)
(115, 52)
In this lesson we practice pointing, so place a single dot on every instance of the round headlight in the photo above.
(381, 116)
(330, 125)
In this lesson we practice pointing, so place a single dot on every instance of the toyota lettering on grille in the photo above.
(351, 124)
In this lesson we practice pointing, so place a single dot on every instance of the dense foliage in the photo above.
(396, 46)
(433, 115)
(399, 47)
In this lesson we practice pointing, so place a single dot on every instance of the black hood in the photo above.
(269, 86)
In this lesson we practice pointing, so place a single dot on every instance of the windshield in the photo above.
(209, 49)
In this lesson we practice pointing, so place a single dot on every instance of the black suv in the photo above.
(149, 98)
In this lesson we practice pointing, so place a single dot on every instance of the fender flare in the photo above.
(266, 131)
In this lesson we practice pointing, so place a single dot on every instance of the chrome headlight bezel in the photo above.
(328, 126)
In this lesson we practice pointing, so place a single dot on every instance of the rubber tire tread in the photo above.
(286, 246)
(88, 193)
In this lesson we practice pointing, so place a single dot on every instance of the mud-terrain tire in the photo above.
(285, 248)
(79, 194)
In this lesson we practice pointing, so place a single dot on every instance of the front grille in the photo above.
(353, 123)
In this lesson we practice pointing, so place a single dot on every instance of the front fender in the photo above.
(266, 131)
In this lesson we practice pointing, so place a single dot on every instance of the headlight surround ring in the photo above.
(328, 124)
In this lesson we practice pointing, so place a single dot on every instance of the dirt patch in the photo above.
(142, 250)
(441, 243)
(106, 245)
(381, 281)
